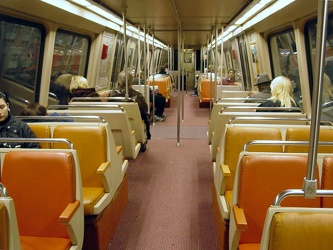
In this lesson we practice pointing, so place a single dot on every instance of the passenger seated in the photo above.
(159, 105)
(159, 100)
(230, 80)
(136, 95)
(11, 127)
(68, 86)
(282, 95)
(263, 83)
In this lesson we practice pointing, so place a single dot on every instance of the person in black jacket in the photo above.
(136, 95)
(11, 127)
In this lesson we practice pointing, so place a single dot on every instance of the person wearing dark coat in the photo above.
(136, 95)
(11, 127)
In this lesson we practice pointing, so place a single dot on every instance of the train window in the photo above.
(232, 58)
(118, 59)
(244, 62)
(283, 53)
(70, 55)
(20, 59)
(310, 34)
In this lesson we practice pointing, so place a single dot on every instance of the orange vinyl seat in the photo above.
(297, 228)
(90, 143)
(164, 86)
(234, 141)
(327, 180)
(43, 187)
(259, 179)
(41, 131)
(205, 90)
(303, 134)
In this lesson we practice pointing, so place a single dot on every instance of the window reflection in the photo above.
(283, 52)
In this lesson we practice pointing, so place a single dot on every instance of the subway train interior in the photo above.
(216, 173)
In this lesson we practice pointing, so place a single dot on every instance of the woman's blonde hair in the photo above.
(71, 82)
(282, 91)
(78, 82)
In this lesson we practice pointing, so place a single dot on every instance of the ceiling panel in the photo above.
(198, 18)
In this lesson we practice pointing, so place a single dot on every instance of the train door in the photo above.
(189, 68)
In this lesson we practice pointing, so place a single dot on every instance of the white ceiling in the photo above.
(198, 18)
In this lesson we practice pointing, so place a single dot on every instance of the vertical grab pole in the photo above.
(139, 61)
(145, 58)
(215, 66)
(222, 61)
(310, 183)
(152, 68)
(178, 90)
(125, 53)
(211, 78)
(183, 75)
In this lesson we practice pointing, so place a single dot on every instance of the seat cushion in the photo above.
(91, 195)
(44, 243)
(249, 247)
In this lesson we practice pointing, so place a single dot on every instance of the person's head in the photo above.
(262, 82)
(66, 84)
(281, 89)
(34, 109)
(231, 73)
(122, 79)
(162, 71)
(4, 106)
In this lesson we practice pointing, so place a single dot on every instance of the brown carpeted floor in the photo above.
(170, 188)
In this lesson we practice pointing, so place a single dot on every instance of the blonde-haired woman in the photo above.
(282, 94)
(68, 86)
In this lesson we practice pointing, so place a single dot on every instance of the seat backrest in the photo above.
(235, 139)
(215, 111)
(327, 180)
(41, 131)
(91, 146)
(303, 134)
(259, 179)
(133, 113)
(163, 84)
(298, 229)
(205, 90)
(42, 184)
(118, 121)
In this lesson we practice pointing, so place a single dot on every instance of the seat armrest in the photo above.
(237, 225)
(225, 174)
(69, 212)
(105, 170)
(102, 168)
(240, 219)
(70, 217)
(119, 149)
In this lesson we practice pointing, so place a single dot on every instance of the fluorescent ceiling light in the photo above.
(267, 12)
(81, 2)
(255, 9)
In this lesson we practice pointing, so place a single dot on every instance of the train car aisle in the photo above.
(170, 188)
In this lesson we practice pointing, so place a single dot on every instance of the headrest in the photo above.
(262, 78)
